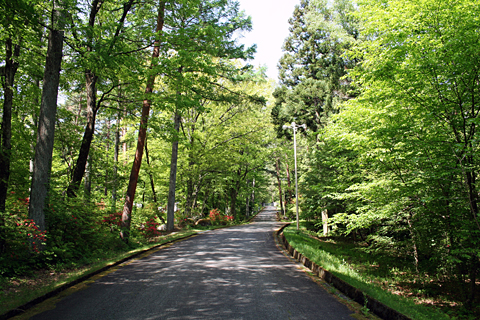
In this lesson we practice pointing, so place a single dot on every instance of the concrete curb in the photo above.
(375, 306)
(21, 309)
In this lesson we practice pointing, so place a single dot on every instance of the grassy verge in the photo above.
(361, 270)
(17, 291)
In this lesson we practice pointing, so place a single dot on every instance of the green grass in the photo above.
(359, 269)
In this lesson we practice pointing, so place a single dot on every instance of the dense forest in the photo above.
(119, 117)
(389, 92)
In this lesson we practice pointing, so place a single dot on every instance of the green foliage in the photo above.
(411, 186)
(312, 69)
(22, 237)
(200, 74)
(364, 271)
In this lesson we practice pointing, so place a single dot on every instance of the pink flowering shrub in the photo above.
(218, 218)
(150, 228)
(28, 232)
(113, 220)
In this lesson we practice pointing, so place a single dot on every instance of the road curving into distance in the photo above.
(231, 273)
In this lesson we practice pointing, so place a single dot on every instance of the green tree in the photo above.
(195, 54)
(415, 129)
(95, 42)
(46, 121)
(312, 69)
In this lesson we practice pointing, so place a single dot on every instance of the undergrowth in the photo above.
(383, 276)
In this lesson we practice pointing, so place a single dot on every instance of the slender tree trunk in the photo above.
(277, 167)
(247, 209)
(142, 132)
(189, 196)
(124, 144)
(473, 199)
(88, 182)
(115, 167)
(11, 53)
(288, 199)
(107, 149)
(80, 166)
(414, 240)
(233, 201)
(253, 193)
(90, 84)
(234, 190)
(46, 130)
(152, 184)
(325, 221)
(197, 191)
(173, 177)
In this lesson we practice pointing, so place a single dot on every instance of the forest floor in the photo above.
(386, 275)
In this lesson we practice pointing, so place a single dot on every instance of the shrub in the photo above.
(150, 228)
(217, 218)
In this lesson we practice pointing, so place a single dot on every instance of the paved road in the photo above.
(232, 273)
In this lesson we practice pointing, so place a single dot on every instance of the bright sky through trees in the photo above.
(270, 28)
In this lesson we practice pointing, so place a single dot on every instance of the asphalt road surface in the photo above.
(231, 273)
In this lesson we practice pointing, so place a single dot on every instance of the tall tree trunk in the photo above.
(80, 166)
(152, 184)
(173, 176)
(124, 144)
(46, 130)
(88, 182)
(189, 196)
(234, 190)
(253, 193)
(288, 199)
(92, 108)
(115, 167)
(196, 191)
(142, 132)
(11, 65)
(247, 205)
(233, 201)
(277, 167)
(411, 229)
(107, 149)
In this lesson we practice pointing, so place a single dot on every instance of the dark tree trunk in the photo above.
(142, 133)
(92, 107)
(90, 84)
(11, 66)
(173, 177)
(46, 130)
(80, 166)
(152, 184)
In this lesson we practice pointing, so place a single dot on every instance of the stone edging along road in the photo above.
(350, 291)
